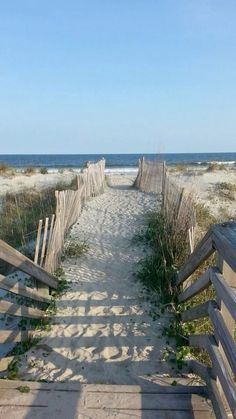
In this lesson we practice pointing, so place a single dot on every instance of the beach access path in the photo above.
(107, 328)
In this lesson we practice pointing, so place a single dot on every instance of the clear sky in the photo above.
(113, 76)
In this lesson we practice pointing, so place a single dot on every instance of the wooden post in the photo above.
(44, 241)
(42, 288)
(230, 279)
(37, 244)
(179, 203)
(190, 240)
(163, 192)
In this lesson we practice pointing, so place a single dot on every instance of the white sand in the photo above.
(202, 185)
(21, 182)
(104, 331)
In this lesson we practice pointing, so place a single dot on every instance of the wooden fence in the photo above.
(21, 300)
(150, 174)
(220, 343)
(177, 205)
(30, 301)
(69, 203)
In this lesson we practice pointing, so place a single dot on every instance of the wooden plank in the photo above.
(20, 310)
(199, 369)
(43, 288)
(24, 264)
(217, 403)
(38, 239)
(51, 229)
(196, 287)
(198, 311)
(63, 411)
(45, 234)
(223, 334)
(223, 374)
(199, 341)
(201, 253)
(190, 240)
(159, 388)
(224, 237)
(224, 291)
(11, 285)
(14, 335)
(228, 321)
(146, 401)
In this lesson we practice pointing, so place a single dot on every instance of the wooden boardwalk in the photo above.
(72, 400)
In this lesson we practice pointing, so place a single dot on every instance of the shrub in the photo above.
(30, 170)
(75, 249)
(180, 168)
(204, 216)
(226, 190)
(215, 166)
(43, 170)
(157, 270)
(4, 168)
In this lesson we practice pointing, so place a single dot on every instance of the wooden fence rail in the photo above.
(220, 344)
(35, 296)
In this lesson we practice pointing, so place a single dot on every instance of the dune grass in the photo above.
(20, 214)
(157, 271)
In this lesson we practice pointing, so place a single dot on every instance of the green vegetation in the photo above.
(75, 249)
(62, 185)
(22, 347)
(204, 216)
(12, 370)
(169, 250)
(157, 271)
(20, 215)
(4, 168)
(23, 389)
(43, 170)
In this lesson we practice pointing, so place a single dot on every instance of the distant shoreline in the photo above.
(114, 162)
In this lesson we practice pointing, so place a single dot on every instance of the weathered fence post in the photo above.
(163, 191)
(230, 278)
(38, 239)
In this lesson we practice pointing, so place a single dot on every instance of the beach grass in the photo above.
(20, 214)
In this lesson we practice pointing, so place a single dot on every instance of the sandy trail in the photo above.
(104, 330)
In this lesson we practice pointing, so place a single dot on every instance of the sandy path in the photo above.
(104, 331)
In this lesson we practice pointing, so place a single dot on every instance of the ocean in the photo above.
(114, 162)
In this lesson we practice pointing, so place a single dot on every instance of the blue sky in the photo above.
(116, 76)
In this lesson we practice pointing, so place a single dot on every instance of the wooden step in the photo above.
(73, 400)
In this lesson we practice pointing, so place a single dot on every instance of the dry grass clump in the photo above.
(72, 184)
(204, 216)
(215, 166)
(226, 190)
(180, 168)
(30, 170)
(6, 170)
(4, 167)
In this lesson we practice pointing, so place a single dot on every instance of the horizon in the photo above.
(117, 76)
(108, 154)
